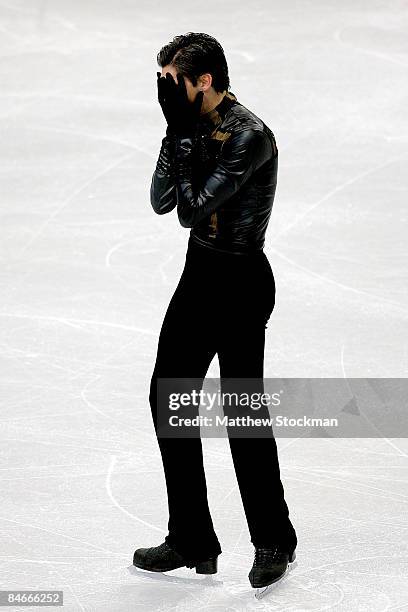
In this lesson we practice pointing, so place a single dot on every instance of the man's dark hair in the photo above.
(194, 54)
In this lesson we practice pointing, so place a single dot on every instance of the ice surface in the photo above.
(88, 270)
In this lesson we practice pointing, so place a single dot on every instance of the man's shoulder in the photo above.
(239, 118)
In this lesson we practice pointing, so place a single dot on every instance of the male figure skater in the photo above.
(218, 166)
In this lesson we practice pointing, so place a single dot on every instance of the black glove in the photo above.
(161, 96)
(182, 116)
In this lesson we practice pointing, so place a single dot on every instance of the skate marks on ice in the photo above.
(84, 292)
(330, 586)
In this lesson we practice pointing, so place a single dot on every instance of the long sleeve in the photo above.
(163, 186)
(241, 155)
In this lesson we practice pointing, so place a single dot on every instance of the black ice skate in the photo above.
(164, 559)
(270, 565)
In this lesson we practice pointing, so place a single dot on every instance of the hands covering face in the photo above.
(182, 116)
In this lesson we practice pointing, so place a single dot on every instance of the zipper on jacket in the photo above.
(213, 225)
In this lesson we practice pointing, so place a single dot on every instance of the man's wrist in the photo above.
(183, 131)
(181, 134)
(183, 157)
(170, 132)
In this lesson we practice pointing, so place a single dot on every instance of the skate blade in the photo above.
(262, 592)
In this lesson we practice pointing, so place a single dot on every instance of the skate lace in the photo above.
(265, 555)
(162, 548)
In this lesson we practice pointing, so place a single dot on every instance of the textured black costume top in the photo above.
(222, 181)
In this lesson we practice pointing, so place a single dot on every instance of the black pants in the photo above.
(221, 306)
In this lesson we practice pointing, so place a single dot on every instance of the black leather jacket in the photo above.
(222, 181)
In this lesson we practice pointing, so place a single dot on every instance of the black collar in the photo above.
(215, 117)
